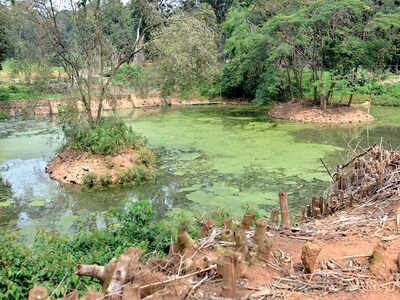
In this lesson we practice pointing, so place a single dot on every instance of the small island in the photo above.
(307, 112)
(110, 153)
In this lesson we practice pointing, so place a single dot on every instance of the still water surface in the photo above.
(214, 156)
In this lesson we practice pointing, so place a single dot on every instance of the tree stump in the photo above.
(228, 224)
(316, 213)
(185, 242)
(240, 242)
(227, 235)
(303, 213)
(321, 204)
(264, 249)
(273, 220)
(207, 226)
(309, 256)
(229, 277)
(261, 226)
(38, 293)
(116, 273)
(309, 211)
(285, 214)
(314, 203)
(247, 220)
(131, 292)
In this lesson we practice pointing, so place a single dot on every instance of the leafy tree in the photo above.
(185, 51)
(102, 39)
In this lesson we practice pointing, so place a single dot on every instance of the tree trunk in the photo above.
(290, 83)
(139, 58)
(350, 100)
(330, 92)
(299, 82)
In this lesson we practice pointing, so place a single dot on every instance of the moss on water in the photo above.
(231, 141)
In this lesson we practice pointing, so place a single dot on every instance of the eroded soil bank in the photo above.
(69, 167)
(304, 111)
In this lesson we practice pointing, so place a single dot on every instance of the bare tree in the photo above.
(93, 51)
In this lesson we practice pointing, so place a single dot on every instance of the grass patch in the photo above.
(109, 137)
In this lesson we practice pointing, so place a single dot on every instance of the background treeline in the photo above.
(254, 49)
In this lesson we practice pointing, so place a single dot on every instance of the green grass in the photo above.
(10, 92)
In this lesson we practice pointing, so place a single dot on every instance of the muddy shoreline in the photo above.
(51, 106)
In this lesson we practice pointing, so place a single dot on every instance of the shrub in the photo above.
(52, 259)
(142, 174)
(3, 115)
(109, 137)
(108, 162)
(4, 94)
(105, 179)
(145, 156)
(90, 179)
(13, 89)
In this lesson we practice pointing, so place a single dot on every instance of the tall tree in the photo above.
(96, 47)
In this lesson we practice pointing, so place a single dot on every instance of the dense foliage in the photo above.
(109, 137)
(271, 45)
(51, 259)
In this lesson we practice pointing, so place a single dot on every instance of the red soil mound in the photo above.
(307, 112)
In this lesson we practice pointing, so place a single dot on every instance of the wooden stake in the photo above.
(285, 214)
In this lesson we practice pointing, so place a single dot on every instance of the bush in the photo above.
(145, 156)
(109, 137)
(109, 163)
(105, 179)
(52, 259)
(4, 94)
(90, 179)
(3, 115)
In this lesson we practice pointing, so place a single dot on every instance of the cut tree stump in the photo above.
(38, 293)
(229, 277)
(131, 292)
(309, 256)
(273, 220)
(247, 220)
(285, 214)
(261, 226)
(116, 273)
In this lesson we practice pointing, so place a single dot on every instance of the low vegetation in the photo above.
(52, 258)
